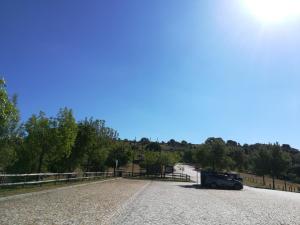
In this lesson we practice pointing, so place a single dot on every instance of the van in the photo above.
(214, 179)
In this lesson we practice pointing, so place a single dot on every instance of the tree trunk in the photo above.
(41, 159)
(273, 179)
(264, 182)
(285, 183)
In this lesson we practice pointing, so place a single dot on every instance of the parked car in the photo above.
(214, 179)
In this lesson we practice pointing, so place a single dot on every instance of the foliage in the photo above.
(40, 141)
(60, 144)
(118, 152)
(261, 160)
(91, 145)
(9, 121)
(153, 146)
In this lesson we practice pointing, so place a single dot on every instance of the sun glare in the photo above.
(274, 11)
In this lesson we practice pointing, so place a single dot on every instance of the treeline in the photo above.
(274, 160)
(61, 144)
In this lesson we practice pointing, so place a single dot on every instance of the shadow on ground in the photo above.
(198, 186)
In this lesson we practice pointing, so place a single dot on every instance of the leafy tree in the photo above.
(40, 141)
(184, 143)
(237, 156)
(261, 162)
(232, 143)
(188, 156)
(92, 144)
(295, 168)
(65, 131)
(279, 162)
(172, 143)
(49, 141)
(9, 114)
(217, 153)
(153, 146)
(120, 153)
(9, 120)
(202, 155)
(155, 161)
(144, 141)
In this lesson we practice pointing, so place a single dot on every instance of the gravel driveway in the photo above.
(124, 202)
(180, 203)
(90, 204)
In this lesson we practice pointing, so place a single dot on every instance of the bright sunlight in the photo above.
(274, 11)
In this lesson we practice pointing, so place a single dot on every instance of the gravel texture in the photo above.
(182, 203)
(94, 203)
(124, 202)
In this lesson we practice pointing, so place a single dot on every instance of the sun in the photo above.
(273, 11)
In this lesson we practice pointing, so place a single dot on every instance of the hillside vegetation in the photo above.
(63, 144)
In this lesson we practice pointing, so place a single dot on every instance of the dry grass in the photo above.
(257, 181)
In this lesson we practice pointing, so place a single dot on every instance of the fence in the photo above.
(8, 180)
(163, 176)
(257, 181)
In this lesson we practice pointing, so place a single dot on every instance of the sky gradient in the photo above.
(186, 70)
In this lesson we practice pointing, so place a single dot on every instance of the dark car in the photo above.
(214, 179)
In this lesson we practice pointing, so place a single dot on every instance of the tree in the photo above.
(296, 166)
(120, 153)
(40, 141)
(201, 155)
(49, 142)
(9, 114)
(187, 156)
(217, 153)
(65, 130)
(184, 143)
(172, 143)
(144, 141)
(151, 162)
(155, 161)
(261, 162)
(237, 156)
(92, 144)
(232, 143)
(9, 120)
(153, 146)
(279, 162)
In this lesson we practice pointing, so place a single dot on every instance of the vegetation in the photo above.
(281, 162)
(62, 144)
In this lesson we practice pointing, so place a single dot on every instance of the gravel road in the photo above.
(124, 202)
(90, 204)
(180, 203)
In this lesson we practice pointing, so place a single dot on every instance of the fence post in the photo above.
(24, 181)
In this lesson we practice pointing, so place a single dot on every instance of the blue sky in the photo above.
(162, 69)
